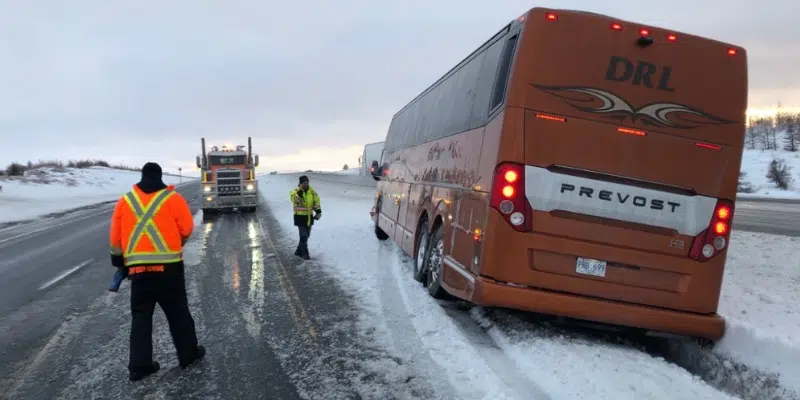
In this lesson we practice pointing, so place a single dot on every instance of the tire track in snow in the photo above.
(497, 369)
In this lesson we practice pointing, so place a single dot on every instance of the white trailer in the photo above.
(372, 152)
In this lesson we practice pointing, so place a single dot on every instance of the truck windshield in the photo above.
(227, 160)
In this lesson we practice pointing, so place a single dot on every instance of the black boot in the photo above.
(144, 373)
(198, 355)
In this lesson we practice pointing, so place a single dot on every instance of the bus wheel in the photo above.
(434, 262)
(423, 241)
(379, 233)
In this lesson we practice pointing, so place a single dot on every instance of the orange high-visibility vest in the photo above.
(149, 228)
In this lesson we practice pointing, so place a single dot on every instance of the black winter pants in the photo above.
(169, 291)
(302, 246)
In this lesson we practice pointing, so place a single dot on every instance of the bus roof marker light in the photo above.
(551, 16)
(672, 37)
(644, 32)
(731, 51)
(616, 26)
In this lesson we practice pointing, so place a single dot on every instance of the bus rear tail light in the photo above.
(714, 239)
(508, 195)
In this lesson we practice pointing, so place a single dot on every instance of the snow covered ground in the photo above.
(486, 354)
(49, 190)
(760, 294)
(755, 164)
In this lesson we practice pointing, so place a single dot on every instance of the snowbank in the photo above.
(760, 293)
(351, 171)
(50, 190)
(507, 362)
(756, 162)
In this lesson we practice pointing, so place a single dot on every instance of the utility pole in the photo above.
(180, 175)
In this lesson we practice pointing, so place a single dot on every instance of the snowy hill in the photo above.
(53, 189)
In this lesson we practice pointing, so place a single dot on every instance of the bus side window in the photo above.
(503, 72)
(485, 84)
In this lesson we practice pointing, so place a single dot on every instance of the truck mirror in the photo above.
(255, 163)
(197, 161)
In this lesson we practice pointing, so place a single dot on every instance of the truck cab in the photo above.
(228, 178)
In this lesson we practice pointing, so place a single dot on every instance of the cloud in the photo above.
(145, 80)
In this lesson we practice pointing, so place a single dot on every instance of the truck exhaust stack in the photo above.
(249, 150)
(203, 145)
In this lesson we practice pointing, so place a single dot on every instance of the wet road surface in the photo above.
(274, 326)
(779, 217)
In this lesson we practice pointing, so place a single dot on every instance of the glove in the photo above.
(317, 216)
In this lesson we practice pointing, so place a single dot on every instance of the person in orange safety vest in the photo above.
(149, 227)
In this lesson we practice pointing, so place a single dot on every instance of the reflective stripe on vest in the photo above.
(149, 268)
(146, 226)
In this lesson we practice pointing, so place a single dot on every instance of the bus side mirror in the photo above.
(255, 163)
(197, 161)
(376, 171)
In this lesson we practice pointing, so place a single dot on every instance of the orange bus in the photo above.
(574, 165)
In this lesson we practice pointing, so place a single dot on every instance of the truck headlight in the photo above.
(207, 189)
(250, 187)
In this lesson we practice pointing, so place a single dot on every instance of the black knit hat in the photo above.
(151, 171)
(303, 179)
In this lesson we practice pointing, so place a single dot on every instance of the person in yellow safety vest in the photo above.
(306, 202)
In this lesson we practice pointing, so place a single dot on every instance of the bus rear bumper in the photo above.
(488, 292)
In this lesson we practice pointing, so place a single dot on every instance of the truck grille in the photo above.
(229, 183)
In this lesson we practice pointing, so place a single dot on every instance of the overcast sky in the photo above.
(311, 82)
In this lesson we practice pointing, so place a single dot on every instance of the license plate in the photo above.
(587, 266)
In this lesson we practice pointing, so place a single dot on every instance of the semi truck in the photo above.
(228, 176)
(371, 155)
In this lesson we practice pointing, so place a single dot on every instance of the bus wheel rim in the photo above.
(423, 246)
(436, 259)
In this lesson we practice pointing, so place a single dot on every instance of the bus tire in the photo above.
(434, 262)
(379, 233)
(422, 247)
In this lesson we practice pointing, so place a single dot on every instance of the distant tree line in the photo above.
(781, 132)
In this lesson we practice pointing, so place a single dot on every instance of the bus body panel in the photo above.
(671, 150)
(563, 59)
(633, 192)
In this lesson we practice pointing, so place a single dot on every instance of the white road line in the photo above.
(27, 224)
(54, 226)
(65, 274)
